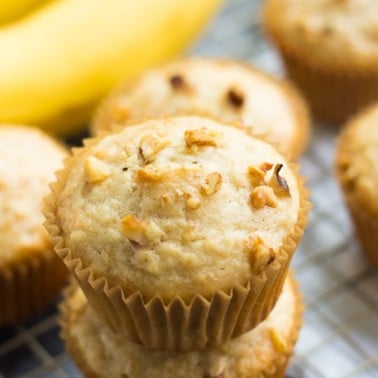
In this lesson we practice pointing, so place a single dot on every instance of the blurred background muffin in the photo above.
(31, 274)
(226, 90)
(330, 50)
(357, 171)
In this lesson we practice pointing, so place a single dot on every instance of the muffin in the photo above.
(179, 230)
(262, 352)
(330, 49)
(227, 91)
(357, 171)
(30, 272)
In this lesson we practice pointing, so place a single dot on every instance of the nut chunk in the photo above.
(213, 183)
(256, 175)
(150, 146)
(278, 183)
(140, 232)
(133, 228)
(259, 254)
(95, 170)
(263, 196)
(201, 137)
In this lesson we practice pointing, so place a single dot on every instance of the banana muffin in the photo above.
(330, 49)
(357, 171)
(168, 223)
(30, 272)
(228, 91)
(262, 352)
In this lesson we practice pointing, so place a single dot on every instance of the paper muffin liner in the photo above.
(29, 285)
(177, 325)
(364, 221)
(275, 369)
(365, 226)
(334, 96)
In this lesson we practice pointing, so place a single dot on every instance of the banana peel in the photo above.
(60, 60)
(12, 10)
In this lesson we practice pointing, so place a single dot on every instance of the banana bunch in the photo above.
(59, 57)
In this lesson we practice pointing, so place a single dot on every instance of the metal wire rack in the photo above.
(339, 337)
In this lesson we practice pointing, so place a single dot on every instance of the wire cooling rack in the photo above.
(340, 333)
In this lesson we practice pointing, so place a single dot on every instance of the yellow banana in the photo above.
(11, 10)
(58, 62)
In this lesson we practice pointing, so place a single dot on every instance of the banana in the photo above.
(11, 10)
(57, 63)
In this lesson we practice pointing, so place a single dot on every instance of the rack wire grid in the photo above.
(339, 337)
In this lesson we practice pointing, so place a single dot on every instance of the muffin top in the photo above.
(332, 33)
(28, 160)
(357, 159)
(228, 91)
(178, 206)
(249, 355)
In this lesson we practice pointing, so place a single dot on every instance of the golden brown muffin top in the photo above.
(357, 159)
(228, 91)
(28, 160)
(179, 206)
(259, 351)
(335, 34)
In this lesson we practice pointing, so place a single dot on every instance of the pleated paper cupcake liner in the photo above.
(70, 316)
(334, 96)
(180, 325)
(29, 285)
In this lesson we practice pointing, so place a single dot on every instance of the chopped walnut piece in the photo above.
(149, 174)
(259, 254)
(139, 231)
(133, 228)
(213, 183)
(263, 196)
(95, 170)
(278, 183)
(235, 97)
(150, 146)
(192, 202)
(201, 137)
(277, 340)
(256, 176)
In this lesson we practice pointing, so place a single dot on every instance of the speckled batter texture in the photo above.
(180, 206)
(228, 91)
(262, 352)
